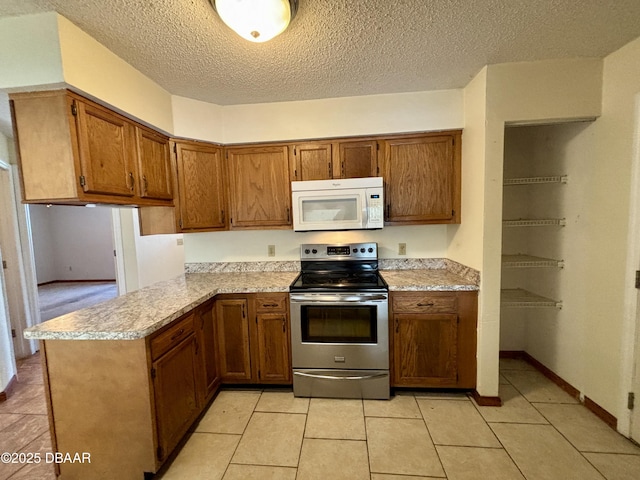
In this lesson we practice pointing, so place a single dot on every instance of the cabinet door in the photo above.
(425, 349)
(274, 364)
(175, 380)
(232, 331)
(313, 161)
(153, 165)
(200, 186)
(207, 342)
(422, 181)
(358, 159)
(260, 189)
(106, 149)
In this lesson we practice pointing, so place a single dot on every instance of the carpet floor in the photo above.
(64, 297)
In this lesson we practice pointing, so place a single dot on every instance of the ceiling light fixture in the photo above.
(256, 20)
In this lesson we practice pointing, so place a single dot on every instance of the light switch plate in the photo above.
(402, 249)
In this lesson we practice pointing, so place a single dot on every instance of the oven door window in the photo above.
(339, 324)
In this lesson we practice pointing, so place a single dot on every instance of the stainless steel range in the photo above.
(339, 323)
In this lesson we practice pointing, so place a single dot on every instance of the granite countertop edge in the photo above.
(78, 325)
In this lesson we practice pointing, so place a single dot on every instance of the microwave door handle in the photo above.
(365, 213)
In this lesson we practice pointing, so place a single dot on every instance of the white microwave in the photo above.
(339, 204)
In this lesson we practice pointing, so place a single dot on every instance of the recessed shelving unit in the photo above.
(535, 180)
(529, 261)
(535, 222)
(520, 298)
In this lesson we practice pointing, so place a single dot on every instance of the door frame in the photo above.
(629, 420)
(19, 238)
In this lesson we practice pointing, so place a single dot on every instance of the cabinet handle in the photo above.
(243, 314)
(283, 325)
(330, 170)
(388, 210)
(428, 304)
(131, 181)
(269, 305)
(397, 326)
(222, 216)
(342, 169)
(178, 334)
(145, 184)
(288, 215)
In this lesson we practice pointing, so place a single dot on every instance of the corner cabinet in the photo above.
(253, 338)
(433, 339)
(259, 187)
(422, 177)
(72, 150)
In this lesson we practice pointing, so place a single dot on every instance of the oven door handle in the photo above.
(338, 377)
(337, 298)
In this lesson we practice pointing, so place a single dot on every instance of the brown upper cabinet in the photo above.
(422, 178)
(340, 159)
(259, 187)
(357, 159)
(72, 150)
(201, 199)
(154, 164)
(311, 161)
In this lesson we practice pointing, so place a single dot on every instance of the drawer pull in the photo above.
(428, 304)
(269, 305)
(178, 334)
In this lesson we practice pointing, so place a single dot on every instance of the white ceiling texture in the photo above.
(336, 48)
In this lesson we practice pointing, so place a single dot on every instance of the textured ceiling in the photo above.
(340, 47)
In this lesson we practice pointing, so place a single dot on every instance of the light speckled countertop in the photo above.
(426, 280)
(140, 313)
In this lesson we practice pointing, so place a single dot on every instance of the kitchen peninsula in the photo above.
(127, 378)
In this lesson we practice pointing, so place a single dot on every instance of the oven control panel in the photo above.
(343, 251)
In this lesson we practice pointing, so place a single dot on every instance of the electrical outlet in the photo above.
(271, 250)
(179, 241)
(402, 249)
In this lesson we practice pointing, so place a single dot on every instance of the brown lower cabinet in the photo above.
(128, 403)
(253, 338)
(433, 337)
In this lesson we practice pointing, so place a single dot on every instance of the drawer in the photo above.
(172, 336)
(272, 303)
(424, 303)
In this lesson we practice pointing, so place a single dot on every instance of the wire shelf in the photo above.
(535, 180)
(535, 222)
(520, 298)
(529, 261)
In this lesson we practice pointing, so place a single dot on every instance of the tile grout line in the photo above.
(424, 420)
(565, 437)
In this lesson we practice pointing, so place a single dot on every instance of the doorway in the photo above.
(73, 250)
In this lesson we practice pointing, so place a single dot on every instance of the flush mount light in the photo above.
(256, 20)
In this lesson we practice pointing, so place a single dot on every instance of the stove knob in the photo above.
(370, 250)
(307, 251)
(362, 250)
(314, 251)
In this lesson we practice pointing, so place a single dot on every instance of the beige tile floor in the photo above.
(24, 426)
(540, 433)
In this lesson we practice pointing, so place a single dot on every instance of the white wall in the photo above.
(72, 243)
(43, 245)
(30, 52)
(249, 246)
